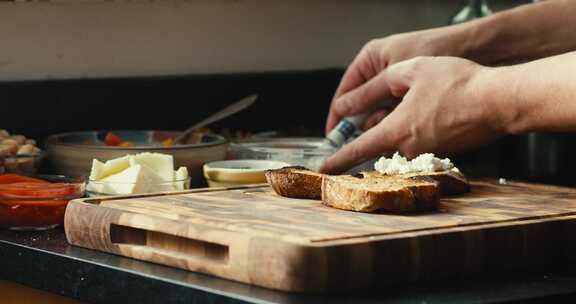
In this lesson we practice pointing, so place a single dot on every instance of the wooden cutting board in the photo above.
(252, 235)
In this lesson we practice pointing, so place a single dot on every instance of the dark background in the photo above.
(286, 101)
(294, 103)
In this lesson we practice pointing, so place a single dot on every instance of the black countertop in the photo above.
(44, 260)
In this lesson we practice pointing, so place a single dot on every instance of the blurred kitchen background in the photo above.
(83, 65)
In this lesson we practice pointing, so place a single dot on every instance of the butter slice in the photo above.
(115, 166)
(135, 174)
(125, 182)
(95, 187)
(97, 170)
(180, 179)
(150, 181)
(181, 174)
(162, 164)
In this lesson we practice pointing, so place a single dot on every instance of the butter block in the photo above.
(162, 164)
(135, 174)
(115, 166)
(97, 170)
(180, 179)
(128, 181)
(150, 181)
(95, 188)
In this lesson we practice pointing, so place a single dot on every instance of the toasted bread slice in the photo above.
(295, 182)
(451, 182)
(369, 191)
(384, 193)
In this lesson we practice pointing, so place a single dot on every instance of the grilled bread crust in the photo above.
(451, 182)
(295, 182)
(369, 191)
(391, 194)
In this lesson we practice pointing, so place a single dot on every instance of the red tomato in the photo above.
(112, 139)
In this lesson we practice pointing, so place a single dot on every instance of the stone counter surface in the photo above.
(44, 260)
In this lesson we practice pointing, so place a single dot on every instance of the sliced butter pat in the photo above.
(150, 181)
(97, 170)
(125, 182)
(115, 166)
(95, 188)
(134, 174)
(135, 180)
(180, 179)
(181, 174)
(162, 164)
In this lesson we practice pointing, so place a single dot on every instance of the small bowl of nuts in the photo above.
(19, 154)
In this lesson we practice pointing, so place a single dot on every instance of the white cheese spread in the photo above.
(424, 163)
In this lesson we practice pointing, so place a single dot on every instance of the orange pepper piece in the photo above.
(127, 144)
(168, 142)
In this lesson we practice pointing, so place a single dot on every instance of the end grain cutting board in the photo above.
(252, 235)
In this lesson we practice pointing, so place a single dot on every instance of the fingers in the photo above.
(394, 81)
(371, 144)
(375, 118)
(364, 98)
(401, 75)
(358, 72)
(387, 136)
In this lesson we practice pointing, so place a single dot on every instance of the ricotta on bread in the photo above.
(424, 163)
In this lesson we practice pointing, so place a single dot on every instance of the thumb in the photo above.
(384, 138)
(380, 139)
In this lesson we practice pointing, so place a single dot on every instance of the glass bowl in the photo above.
(106, 188)
(26, 206)
(304, 151)
(26, 164)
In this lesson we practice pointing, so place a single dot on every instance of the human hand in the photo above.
(442, 110)
(361, 88)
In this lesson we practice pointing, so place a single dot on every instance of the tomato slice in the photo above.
(112, 139)
(14, 178)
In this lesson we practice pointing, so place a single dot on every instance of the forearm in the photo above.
(521, 34)
(535, 96)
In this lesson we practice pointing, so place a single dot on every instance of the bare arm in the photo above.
(535, 96)
(525, 33)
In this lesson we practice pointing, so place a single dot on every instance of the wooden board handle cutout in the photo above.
(168, 245)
